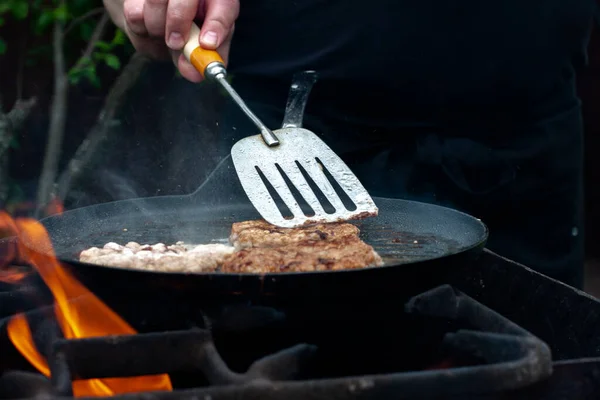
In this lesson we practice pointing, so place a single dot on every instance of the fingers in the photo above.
(135, 27)
(133, 11)
(186, 69)
(160, 27)
(155, 17)
(219, 18)
(180, 14)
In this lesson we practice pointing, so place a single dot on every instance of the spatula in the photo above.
(290, 175)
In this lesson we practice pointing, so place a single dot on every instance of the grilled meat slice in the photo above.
(259, 247)
(259, 233)
(348, 252)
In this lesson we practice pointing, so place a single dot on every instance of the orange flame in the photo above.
(55, 206)
(12, 276)
(9, 273)
(79, 313)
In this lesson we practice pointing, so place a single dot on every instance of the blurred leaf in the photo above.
(95, 81)
(119, 38)
(103, 45)
(85, 31)
(90, 74)
(112, 61)
(44, 21)
(5, 6)
(40, 15)
(85, 62)
(74, 78)
(61, 13)
(20, 9)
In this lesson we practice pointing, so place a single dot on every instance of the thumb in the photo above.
(219, 19)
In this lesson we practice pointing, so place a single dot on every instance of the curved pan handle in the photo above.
(302, 84)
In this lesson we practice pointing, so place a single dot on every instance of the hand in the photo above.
(160, 28)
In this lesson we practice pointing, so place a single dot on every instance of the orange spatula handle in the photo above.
(199, 57)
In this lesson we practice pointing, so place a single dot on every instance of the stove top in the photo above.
(495, 330)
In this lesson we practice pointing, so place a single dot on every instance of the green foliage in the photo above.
(79, 19)
(18, 8)
(103, 53)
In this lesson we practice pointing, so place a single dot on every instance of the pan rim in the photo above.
(480, 243)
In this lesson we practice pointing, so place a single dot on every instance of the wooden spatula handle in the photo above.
(199, 57)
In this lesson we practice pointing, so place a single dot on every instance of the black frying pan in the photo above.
(413, 238)
(420, 243)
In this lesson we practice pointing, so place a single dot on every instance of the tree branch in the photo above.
(13, 121)
(58, 115)
(96, 36)
(21, 65)
(82, 18)
(10, 123)
(106, 120)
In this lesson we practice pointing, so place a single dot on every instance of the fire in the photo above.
(12, 275)
(20, 334)
(9, 273)
(79, 313)
(55, 206)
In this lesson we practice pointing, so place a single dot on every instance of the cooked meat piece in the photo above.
(259, 247)
(159, 257)
(349, 252)
(260, 233)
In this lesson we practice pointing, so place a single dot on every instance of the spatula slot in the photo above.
(346, 200)
(325, 203)
(304, 206)
(281, 206)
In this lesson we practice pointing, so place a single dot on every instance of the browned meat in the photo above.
(259, 248)
(348, 252)
(260, 233)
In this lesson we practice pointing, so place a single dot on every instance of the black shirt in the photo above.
(403, 62)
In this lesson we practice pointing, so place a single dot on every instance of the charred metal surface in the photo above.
(508, 307)
(566, 319)
(60, 373)
(511, 360)
(574, 379)
(445, 301)
(518, 356)
(165, 352)
(242, 317)
(24, 385)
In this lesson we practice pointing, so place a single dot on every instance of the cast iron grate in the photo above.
(511, 358)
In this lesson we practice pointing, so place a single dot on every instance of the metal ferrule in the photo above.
(215, 70)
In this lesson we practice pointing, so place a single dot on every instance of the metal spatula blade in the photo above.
(290, 163)
(313, 183)
(300, 157)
